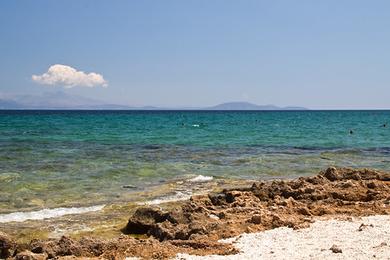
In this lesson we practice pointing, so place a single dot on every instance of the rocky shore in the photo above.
(195, 226)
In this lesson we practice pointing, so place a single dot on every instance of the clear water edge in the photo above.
(51, 159)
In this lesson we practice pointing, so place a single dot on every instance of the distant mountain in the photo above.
(61, 100)
(250, 106)
(56, 100)
(9, 104)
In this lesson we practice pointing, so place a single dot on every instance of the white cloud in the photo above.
(69, 77)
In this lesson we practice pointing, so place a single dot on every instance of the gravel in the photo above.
(359, 238)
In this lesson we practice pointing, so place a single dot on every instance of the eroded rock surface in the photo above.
(196, 225)
(7, 246)
(268, 205)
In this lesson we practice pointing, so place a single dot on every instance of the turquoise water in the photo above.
(68, 158)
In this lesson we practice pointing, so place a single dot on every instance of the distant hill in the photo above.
(61, 100)
(250, 106)
(9, 104)
(56, 100)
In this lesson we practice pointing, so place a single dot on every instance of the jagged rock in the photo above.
(28, 255)
(197, 228)
(68, 246)
(335, 249)
(331, 174)
(143, 220)
(63, 247)
(7, 246)
(39, 247)
(267, 204)
(371, 185)
(304, 211)
(364, 226)
(256, 219)
(217, 199)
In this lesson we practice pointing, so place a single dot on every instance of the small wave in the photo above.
(179, 196)
(181, 193)
(46, 213)
(201, 178)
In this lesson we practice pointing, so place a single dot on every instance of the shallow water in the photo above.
(51, 159)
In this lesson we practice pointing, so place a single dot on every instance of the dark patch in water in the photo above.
(151, 147)
(129, 187)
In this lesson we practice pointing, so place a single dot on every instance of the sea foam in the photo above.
(201, 178)
(178, 196)
(46, 213)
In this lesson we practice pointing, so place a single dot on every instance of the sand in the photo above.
(360, 238)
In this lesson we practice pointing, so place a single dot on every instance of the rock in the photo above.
(346, 184)
(335, 249)
(68, 246)
(157, 223)
(65, 246)
(129, 187)
(7, 246)
(196, 225)
(197, 228)
(331, 174)
(231, 196)
(304, 211)
(371, 185)
(28, 255)
(164, 231)
(39, 247)
(363, 226)
(217, 199)
(222, 215)
(381, 245)
(213, 216)
(143, 220)
(255, 219)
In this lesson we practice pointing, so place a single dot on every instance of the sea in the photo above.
(67, 162)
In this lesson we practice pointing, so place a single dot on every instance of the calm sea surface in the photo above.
(66, 158)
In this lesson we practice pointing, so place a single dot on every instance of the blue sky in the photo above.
(318, 54)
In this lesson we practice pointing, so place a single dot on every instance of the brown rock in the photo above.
(7, 246)
(188, 228)
(39, 247)
(371, 185)
(218, 199)
(364, 226)
(255, 219)
(144, 220)
(304, 211)
(331, 174)
(28, 255)
(335, 249)
(68, 246)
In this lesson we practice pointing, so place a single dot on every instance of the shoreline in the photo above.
(78, 221)
(195, 226)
